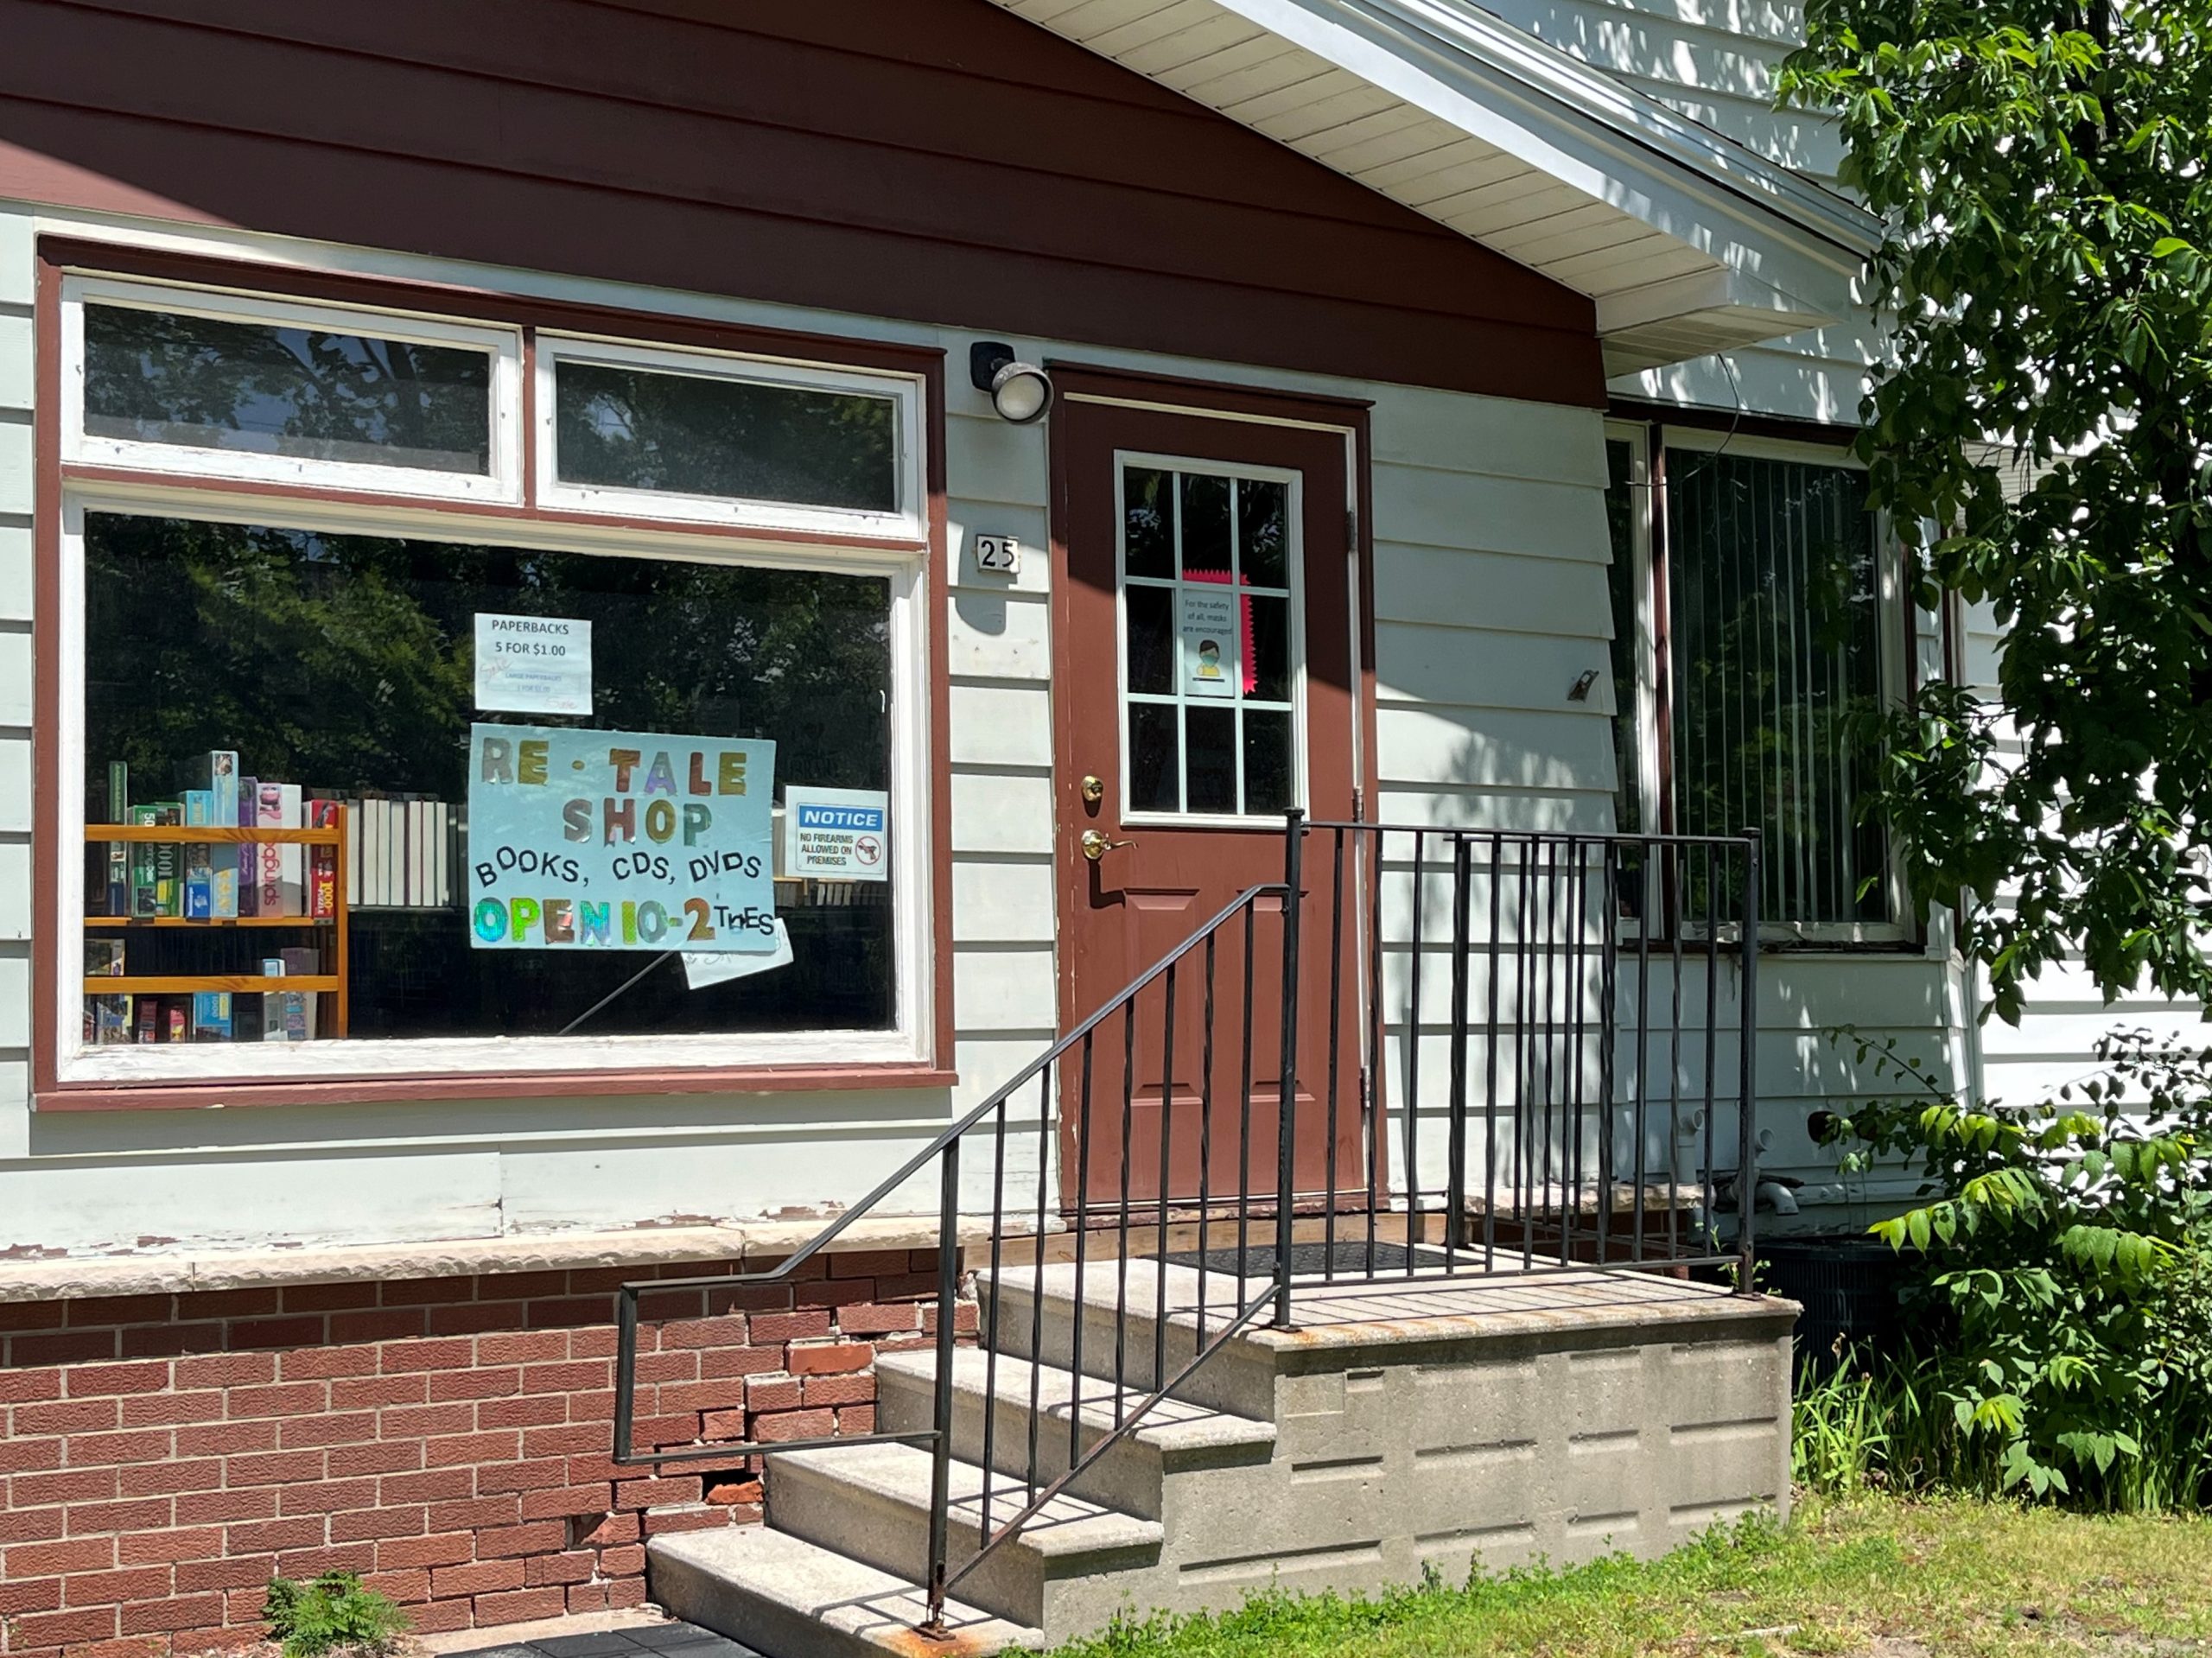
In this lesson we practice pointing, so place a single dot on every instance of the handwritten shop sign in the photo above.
(620, 840)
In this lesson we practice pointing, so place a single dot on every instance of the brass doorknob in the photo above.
(1096, 845)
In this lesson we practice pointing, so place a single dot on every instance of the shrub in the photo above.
(2064, 1286)
(331, 1611)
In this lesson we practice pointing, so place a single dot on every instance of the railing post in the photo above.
(626, 1369)
(948, 1290)
(1294, 849)
(1747, 1152)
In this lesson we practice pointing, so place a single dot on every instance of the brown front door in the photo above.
(1202, 675)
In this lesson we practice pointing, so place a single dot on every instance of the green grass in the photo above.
(1872, 1574)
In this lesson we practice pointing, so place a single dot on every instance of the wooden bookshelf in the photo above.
(333, 984)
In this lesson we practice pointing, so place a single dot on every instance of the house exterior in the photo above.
(565, 448)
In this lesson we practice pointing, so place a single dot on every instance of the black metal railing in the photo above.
(1280, 1102)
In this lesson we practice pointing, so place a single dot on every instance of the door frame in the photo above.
(1348, 417)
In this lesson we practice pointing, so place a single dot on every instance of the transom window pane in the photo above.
(624, 427)
(298, 393)
(1776, 643)
(237, 668)
(1211, 645)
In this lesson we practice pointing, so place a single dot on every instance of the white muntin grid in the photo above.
(1289, 593)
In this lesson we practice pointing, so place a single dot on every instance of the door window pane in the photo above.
(1268, 775)
(1155, 757)
(326, 668)
(1205, 523)
(1210, 647)
(1152, 640)
(305, 394)
(1264, 531)
(1776, 643)
(1148, 522)
(1267, 672)
(1210, 774)
(621, 427)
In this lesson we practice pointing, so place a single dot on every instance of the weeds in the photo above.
(330, 1612)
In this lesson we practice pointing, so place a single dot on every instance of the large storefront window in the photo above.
(340, 669)
(352, 791)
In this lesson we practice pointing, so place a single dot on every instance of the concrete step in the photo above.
(1132, 1474)
(1238, 1379)
(872, 1503)
(786, 1598)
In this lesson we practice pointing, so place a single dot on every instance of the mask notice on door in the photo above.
(1209, 644)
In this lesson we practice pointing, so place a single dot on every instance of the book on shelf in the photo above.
(282, 890)
(249, 855)
(107, 1019)
(176, 1018)
(289, 1015)
(198, 857)
(322, 863)
(149, 1018)
(156, 867)
(118, 852)
(440, 853)
(216, 771)
(211, 1016)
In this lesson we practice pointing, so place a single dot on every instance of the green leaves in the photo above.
(2048, 408)
(2062, 1258)
(335, 1610)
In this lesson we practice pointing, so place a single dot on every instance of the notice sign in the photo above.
(620, 840)
(1209, 643)
(532, 664)
(836, 834)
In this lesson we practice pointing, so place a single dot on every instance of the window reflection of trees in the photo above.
(162, 376)
(346, 663)
(628, 428)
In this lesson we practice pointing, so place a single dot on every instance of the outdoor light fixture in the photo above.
(1020, 391)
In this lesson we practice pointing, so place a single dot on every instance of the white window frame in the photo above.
(1893, 648)
(910, 1040)
(502, 484)
(906, 522)
(1294, 566)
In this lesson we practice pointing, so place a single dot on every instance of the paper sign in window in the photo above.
(620, 840)
(836, 834)
(1210, 644)
(533, 664)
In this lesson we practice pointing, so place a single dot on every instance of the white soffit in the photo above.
(1689, 242)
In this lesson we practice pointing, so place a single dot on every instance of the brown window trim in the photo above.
(59, 256)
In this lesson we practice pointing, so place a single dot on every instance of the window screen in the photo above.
(1775, 645)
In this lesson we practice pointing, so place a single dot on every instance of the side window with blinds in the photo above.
(1775, 650)
(1627, 580)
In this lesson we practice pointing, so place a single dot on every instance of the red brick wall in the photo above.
(162, 1457)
